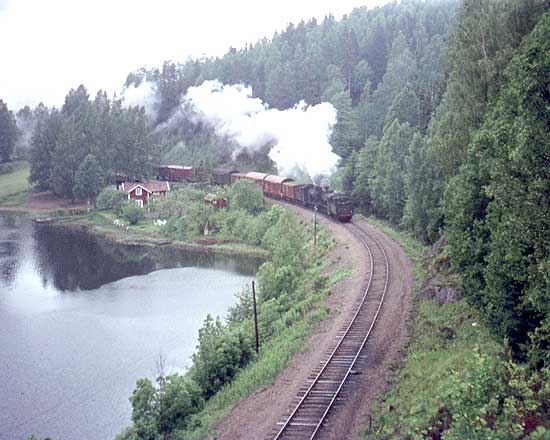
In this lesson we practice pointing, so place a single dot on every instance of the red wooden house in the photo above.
(142, 191)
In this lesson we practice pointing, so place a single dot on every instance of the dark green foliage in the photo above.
(64, 141)
(388, 184)
(88, 179)
(497, 209)
(8, 133)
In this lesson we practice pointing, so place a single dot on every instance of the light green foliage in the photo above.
(110, 199)
(132, 212)
(14, 185)
(161, 411)
(247, 196)
(220, 354)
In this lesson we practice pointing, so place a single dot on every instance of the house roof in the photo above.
(256, 176)
(151, 186)
(176, 167)
(277, 180)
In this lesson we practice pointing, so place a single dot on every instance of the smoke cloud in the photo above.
(145, 95)
(299, 136)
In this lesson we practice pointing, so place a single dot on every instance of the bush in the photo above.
(221, 354)
(110, 198)
(132, 212)
(246, 195)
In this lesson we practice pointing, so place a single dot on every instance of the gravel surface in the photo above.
(256, 416)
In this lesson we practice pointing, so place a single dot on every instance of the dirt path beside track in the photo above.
(256, 416)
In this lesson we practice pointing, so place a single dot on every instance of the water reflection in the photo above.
(73, 259)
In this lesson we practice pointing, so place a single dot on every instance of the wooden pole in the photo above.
(255, 317)
(315, 226)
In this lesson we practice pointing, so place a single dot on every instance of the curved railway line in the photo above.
(324, 387)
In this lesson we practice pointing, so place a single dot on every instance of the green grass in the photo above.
(446, 345)
(14, 185)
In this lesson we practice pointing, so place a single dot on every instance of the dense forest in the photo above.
(442, 128)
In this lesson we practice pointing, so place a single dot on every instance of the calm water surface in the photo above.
(81, 320)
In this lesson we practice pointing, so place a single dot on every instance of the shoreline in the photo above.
(78, 220)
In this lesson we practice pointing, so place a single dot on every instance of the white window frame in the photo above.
(140, 203)
(139, 192)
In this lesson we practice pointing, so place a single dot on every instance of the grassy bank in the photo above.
(14, 184)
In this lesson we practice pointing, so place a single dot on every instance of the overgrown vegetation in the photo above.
(456, 381)
(290, 286)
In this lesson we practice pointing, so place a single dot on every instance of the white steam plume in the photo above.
(145, 95)
(300, 135)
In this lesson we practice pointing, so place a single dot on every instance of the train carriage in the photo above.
(233, 177)
(222, 176)
(175, 173)
(257, 177)
(291, 191)
(273, 185)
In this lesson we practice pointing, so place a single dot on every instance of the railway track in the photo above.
(324, 387)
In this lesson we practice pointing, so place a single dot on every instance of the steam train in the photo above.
(322, 199)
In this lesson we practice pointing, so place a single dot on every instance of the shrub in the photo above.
(246, 195)
(132, 212)
(110, 198)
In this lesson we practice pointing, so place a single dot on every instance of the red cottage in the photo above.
(142, 191)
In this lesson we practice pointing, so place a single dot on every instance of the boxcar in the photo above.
(291, 191)
(257, 177)
(175, 173)
(236, 176)
(273, 185)
(222, 176)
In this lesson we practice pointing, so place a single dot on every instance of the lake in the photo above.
(81, 319)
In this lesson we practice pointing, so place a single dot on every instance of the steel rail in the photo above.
(349, 370)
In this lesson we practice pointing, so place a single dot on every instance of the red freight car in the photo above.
(236, 176)
(273, 186)
(291, 191)
(257, 177)
(175, 173)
